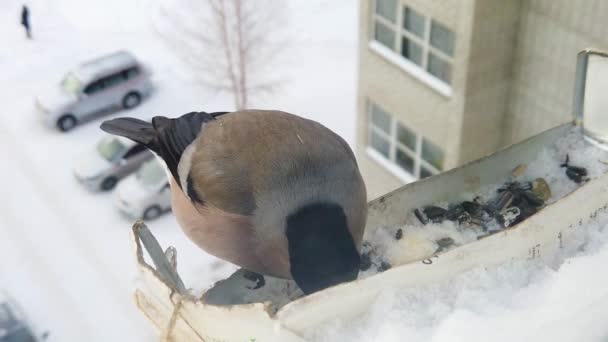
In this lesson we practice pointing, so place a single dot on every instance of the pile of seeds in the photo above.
(513, 203)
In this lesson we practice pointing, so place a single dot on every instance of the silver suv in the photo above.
(99, 86)
(112, 159)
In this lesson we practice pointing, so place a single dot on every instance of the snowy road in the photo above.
(67, 264)
(62, 276)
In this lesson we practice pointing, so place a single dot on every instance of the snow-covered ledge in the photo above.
(411, 68)
(390, 166)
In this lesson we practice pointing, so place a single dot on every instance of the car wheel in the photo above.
(66, 122)
(131, 100)
(109, 183)
(152, 212)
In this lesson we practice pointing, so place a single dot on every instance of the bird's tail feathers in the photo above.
(137, 130)
(167, 137)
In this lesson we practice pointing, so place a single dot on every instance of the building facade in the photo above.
(444, 82)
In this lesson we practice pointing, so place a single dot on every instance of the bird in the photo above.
(267, 190)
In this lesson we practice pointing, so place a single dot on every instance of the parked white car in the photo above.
(99, 86)
(112, 159)
(146, 193)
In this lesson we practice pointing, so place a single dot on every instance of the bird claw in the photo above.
(255, 277)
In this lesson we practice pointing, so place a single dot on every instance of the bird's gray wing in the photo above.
(245, 154)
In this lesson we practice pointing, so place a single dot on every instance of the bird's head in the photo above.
(168, 138)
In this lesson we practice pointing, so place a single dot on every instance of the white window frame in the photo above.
(390, 163)
(394, 55)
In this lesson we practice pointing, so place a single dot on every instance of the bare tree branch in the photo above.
(231, 45)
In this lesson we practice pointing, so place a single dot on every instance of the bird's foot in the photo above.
(255, 277)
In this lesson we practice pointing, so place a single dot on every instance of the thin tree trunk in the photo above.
(225, 43)
(242, 53)
(220, 10)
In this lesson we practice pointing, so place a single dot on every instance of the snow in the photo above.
(65, 253)
(519, 300)
(580, 153)
(515, 301)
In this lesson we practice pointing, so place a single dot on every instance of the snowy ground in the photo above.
(65, 254)
(516, 301)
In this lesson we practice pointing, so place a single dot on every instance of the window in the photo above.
(112, 80)
(384, 35)
(432, 154)
(401, 146)
(413, 22)
(417, 38)
(386, 9)
(110, 148)
(71, 83)
(94, 87)
(130, 73)
(442, 38)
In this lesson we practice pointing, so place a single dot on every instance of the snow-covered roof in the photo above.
(104, 65)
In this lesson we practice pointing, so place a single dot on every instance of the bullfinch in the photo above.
(269, 191)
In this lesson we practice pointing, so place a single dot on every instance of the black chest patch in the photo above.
(322, 252)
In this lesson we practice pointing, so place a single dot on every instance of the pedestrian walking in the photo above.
(25, 21)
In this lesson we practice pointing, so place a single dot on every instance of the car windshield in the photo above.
(70, 83)
(150, 173)
(110, 148)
